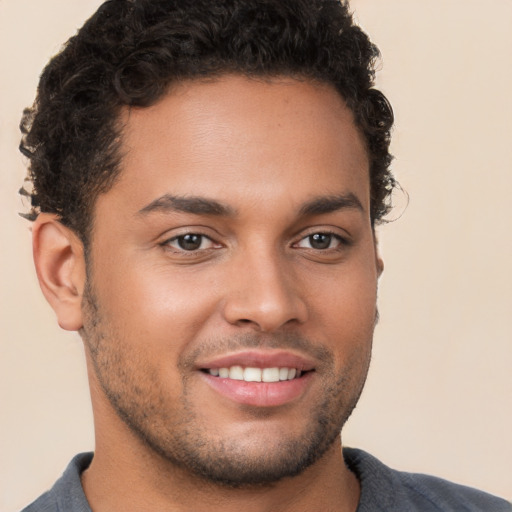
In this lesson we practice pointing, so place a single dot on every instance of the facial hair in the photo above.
(174, 430)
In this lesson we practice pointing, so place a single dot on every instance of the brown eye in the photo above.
(190, 242)
(320, 241)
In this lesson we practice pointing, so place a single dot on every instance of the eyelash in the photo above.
(342, 242)
(203, 237)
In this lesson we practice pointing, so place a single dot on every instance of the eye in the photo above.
(191, 242)
(320, 241)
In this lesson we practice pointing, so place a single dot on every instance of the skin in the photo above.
(272, 154)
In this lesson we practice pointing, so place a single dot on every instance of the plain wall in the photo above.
(438, 399)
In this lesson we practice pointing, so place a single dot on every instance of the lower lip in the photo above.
(260, 394)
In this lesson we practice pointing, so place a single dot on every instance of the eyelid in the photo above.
(168, 243)
(191, 230)
(333, 236)
(343, 236)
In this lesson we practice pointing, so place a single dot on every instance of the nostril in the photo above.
(266, 307)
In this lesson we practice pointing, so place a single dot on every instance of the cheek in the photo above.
(345, 310)
(163, 308)
(346, 294)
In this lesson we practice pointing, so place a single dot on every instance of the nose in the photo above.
(263, 294)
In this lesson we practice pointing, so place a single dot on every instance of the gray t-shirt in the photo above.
(382, 490)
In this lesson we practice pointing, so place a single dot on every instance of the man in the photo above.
(207, 180)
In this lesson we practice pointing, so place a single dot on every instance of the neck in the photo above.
(128, 481)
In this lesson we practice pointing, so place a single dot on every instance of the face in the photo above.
(232, 278)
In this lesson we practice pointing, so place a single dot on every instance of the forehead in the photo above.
(235, 136)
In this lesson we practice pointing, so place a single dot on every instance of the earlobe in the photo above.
(60, 266)
(380, 265)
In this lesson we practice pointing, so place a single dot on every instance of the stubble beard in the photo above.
(187, 443)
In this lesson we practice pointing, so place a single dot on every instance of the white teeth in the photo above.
(236, 373)
(251, 374)
(270, 375)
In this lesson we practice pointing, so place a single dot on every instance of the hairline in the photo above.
(123, 114)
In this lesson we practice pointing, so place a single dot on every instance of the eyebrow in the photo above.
(187, 204)
(204, 206)
(328, 204)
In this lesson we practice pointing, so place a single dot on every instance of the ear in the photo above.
(380, 264)
(60, 266)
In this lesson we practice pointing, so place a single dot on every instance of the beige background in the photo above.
(439, 394)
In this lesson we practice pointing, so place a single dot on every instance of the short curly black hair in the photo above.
(129, 53)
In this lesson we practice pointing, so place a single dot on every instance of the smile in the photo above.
(253, 374)
(260, 378)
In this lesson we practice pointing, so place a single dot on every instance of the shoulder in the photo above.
(67, 494)
(383, 488)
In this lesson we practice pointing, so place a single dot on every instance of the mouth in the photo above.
(259, 378)
(255, 374)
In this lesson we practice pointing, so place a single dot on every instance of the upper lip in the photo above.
(259, 359)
